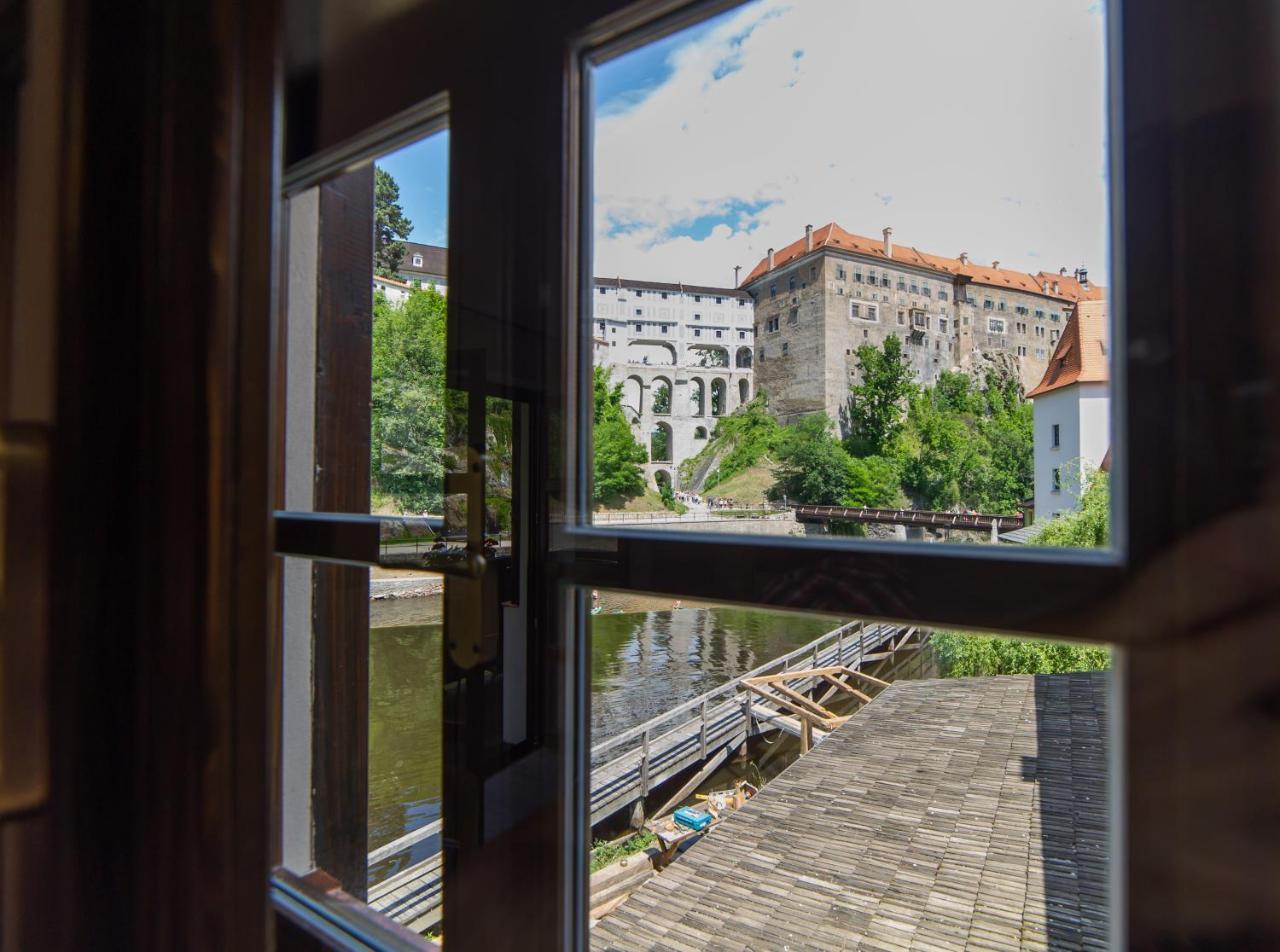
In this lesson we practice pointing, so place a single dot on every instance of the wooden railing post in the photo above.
(806, 735)
(644, 765)
(704, 729)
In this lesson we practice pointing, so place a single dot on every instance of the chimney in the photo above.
(888, 242)
(1083, 277)
(964, 257)
(736, 269)
(808, 238)
(1044, 286)
(1057, 288)
(1062, 272)
(770, 259)
(995, 265)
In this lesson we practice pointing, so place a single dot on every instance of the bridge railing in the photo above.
(735, 514)
(706, 706)
(911, 517)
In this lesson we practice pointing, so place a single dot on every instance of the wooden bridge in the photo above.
(703, 732)
(910, 517)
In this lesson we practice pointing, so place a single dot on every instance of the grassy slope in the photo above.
(649, 502)
(749, 486)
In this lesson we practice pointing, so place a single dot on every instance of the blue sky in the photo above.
(975, 127)
(422, 172)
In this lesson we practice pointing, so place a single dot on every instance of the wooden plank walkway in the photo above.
(627, 766)
(947, 815)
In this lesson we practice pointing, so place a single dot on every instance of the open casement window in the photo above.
(516, 758)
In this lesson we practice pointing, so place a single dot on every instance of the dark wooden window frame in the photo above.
(1177, 420)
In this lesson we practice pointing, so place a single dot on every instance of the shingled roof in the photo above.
(1081, 354)
(833, 236)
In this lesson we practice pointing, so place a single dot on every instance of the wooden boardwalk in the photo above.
(947, 815)
(630, 765)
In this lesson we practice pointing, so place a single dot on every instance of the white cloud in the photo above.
(967, 127)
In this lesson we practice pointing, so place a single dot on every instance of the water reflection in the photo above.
(643, 662)
(405, 696)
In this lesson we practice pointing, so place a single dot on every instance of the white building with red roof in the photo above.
(1072, 428)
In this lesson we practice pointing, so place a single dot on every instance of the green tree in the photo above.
(967, 445)
(1088, 527)
(813, 467)
(617, 455)
(389, 224)
(877, 405)
(409, 457)
(873, 481)
(966, 655)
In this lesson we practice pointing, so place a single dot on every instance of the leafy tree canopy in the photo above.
(959, 443)
(813, 466)
(877, 405)
(389, 225)
(617, 455)
(408, 400)
(1089, 527)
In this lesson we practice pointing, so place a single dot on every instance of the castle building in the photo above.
(684, 356)
(822, 297)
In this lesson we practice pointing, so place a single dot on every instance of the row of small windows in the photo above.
(717, 333)
(664, 295)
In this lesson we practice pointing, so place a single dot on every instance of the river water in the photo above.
(647, 655)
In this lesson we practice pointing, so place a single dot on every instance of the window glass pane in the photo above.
(943, 412)
(371, 427)
(769, 779)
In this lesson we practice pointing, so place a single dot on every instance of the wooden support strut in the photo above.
(644, 765)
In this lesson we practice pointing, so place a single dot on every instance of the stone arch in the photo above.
(660, 443)
(651, 353)
(660, 478)
(700, 433)
(697, 397)
(708, 355)
(660, 395)
(633, 395)
(719, 397)
(744, 392)
(743, 357)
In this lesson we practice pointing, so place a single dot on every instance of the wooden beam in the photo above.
(340, 593)
(866, 677)
(794, 709)
(695, 781)
(799, 698)
(836, 682)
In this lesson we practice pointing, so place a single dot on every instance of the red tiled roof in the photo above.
(833, 236)
(1081, 354)
(1072, 289)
